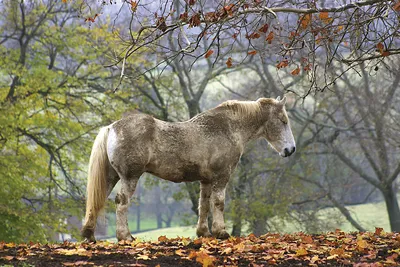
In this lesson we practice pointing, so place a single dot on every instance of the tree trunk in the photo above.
(392, 206)
(193, 188)
(138, 208)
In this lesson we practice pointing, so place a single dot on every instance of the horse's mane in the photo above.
(245, 108)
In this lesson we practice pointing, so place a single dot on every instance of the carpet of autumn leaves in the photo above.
(331, 249)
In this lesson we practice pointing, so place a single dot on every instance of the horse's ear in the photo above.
(283, 101)
(278, 98)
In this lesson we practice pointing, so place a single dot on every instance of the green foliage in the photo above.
(52, 97)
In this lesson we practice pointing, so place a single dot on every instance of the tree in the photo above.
(51, 98)
(292, 33)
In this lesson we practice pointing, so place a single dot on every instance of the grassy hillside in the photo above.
(368, 215)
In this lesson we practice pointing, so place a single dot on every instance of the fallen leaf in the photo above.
(162, 238)
(301, 252)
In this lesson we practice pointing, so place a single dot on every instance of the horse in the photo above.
(205, 148)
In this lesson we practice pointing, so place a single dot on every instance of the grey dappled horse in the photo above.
(205, 148)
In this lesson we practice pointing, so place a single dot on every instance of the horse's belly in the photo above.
(177, 174)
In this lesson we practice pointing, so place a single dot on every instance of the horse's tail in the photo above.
(98, 169)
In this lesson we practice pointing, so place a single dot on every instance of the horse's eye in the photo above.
(284, 122)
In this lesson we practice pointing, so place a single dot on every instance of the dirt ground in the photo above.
(331, 249)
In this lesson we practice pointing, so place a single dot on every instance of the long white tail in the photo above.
(98, 169)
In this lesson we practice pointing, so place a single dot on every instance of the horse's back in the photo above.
(186, 151)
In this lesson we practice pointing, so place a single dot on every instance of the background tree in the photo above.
(289, 33)
(52, 96)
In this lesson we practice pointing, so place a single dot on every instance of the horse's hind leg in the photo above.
(123, 199)
(90, 225)
(218, 204)
(204, 207)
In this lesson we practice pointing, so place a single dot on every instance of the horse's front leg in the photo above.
(218, 204)
(123, 200)
(204, 208)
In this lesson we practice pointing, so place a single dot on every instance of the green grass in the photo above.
(367, 215)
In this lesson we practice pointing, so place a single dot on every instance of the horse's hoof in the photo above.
(89, 240)
(128, 238)
(203, 234)
(222, 235)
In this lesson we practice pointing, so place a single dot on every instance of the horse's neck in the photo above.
(249, 127)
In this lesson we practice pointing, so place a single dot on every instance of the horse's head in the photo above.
(277, 126)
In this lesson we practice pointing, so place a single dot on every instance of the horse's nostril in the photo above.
(286, 152)
(294, 149)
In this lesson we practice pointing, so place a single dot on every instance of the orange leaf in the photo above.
(180, 252)
(162, 238)
(252, 53)
(396, 7)
(385, 53)
(337, 251)
(209, 53)
(295, 71)
(323, 15)
(270, 37)
(306, 239)
(64, 1)
(229, 62)
(282, 64)
(305, 20)
(133, 6)
(205, 259)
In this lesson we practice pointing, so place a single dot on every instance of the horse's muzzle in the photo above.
(288, 151)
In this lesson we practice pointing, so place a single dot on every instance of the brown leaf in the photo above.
(396, 6)
(209, 53)
(184, 17)
(378, 231)
(64, 1)
(270, 37)
(252, 53)
(161, 24)
(254, 35)
(306, 239)
(337, 251)
(380, 47)
(264, 28)
(301, 252)
(194, 21)
(191, 2)
(229, 62)
(8, 258)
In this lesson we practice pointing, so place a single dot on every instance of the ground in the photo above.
(331, 249)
